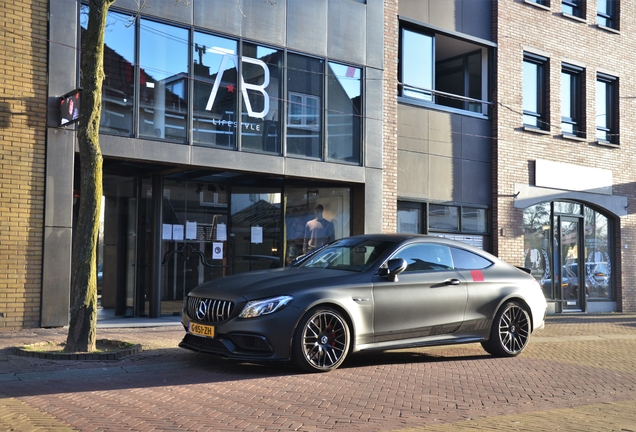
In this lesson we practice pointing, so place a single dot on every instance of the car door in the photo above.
(429, 297)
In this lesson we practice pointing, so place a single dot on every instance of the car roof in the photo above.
(406, 238)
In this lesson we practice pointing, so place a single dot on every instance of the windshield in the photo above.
(346, 254)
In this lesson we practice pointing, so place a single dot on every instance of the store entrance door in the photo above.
(256, 229)
(571, 268)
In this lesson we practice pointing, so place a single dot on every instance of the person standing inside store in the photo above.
(318, 231)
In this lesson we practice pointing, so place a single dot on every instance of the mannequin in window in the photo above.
(318, 231)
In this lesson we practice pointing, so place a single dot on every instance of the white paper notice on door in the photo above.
(221, 232)
(257, 234)
(177, 232)
(217, 250)
(191, 230)
(167, 232)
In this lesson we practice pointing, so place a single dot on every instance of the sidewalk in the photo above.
(160, 338)
(576, 374)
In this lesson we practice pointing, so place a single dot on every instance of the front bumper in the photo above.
(265, 338)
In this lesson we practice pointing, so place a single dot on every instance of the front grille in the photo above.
(209, 310)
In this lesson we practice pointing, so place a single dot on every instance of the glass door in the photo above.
(570, 270)
(193, 238)
(256, 229)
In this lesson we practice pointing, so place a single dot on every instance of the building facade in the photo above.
(230, 127)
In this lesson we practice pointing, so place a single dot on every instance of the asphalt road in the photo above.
(578, 374)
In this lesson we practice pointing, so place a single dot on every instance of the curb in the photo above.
(114, 354)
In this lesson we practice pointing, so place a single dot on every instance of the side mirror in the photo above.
(393, 269)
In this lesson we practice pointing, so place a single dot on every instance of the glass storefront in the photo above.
(192, 87)
(567, 247)
(209, 230)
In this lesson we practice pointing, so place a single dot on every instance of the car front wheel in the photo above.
(510, 331)
(321, 340)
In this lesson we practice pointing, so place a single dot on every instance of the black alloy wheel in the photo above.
(321, 340)
(510, 331)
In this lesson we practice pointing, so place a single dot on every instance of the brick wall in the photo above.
(389, 117)
(523, 26)
(23, 96)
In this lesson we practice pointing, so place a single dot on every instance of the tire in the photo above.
(510, 331)
(321, 340)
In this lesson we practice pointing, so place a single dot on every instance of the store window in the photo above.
(262, 98)
(318, 106)
(305, 82)
(314, 217)
(215, 90)
(444, 70)
(555, 247)
(118, 87)
(344, 113)
(163, 81)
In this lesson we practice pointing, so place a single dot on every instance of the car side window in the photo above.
(464, 260)
(426, 257)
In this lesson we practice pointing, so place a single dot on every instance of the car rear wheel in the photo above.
(321, 340)
(510, 331)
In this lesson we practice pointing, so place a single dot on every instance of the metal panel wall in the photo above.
(375, 34)
(221, 15)
(264, 21)
(473, 17)
(58, 212)
(444, 156)
(181, 12)
(347, 29)
(307, 26)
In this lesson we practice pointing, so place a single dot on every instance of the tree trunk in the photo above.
(83, 325)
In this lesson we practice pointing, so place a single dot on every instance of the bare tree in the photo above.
(83, 325)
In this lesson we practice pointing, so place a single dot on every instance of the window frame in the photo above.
(431, 97)
(541, 116)
(609, 16)
(577, 9)
(576, 101)
(611, 126)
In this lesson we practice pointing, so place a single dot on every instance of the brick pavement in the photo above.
(577, 374)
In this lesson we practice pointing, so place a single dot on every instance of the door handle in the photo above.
(452, 282)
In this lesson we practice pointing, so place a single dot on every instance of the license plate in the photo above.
(201, 330)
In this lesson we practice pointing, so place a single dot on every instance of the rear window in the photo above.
(464, 260)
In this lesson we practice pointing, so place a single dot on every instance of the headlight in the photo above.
(264, 307)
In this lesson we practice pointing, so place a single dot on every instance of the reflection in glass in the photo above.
(598, 265)
(567, 207)
(301, 209)
(304, 86)
(443, 218)
(408, 220)
(605, 13)
(163, 81)
(531, 93)
(417, 65)
(344, 113)
(192, 213)
(260, 128)
(256, 229)
(474, 220)
(215, 90)
(537, 246)
(119, 73)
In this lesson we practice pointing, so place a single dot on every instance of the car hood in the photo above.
(265, 283)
